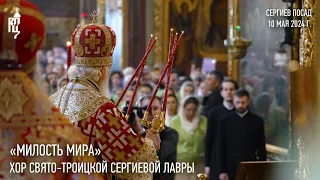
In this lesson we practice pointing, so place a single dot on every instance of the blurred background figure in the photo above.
(116, 81)
(127, 74)
(213, 80)
(53, 82)
(171, 92)
(203, 90)
(174, 80)
(144, 90)
(116, 95)
(62, 82)
(187, 89)
(191, 127)
(127, 98)
(172, 108)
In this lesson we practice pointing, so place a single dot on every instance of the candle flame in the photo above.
(151, 35)
(171, 29)
(68, 43)
(176, 33)
(182, 32)
(156, 38)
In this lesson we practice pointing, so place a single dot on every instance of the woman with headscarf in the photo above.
(191, 127)
(187, 89)
(172, 108)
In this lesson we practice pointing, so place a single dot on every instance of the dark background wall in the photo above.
(136, 34)
(62, 17)
(64, 8)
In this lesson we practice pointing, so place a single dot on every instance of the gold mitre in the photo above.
(93, 44)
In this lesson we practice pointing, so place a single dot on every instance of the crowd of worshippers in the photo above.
(209, 121)
(52, 69)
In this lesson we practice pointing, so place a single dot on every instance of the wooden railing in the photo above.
(276, 153)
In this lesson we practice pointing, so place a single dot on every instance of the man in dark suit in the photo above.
(168, 137)
(213, 81)
(241, 138)
(227, 89)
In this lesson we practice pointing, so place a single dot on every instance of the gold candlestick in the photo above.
(202, 176)
(145, 121)
(157, 123)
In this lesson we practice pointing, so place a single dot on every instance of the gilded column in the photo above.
(125, 32)
(161, 29)
(296, 90)
(237, 46)
(101, 11)
(310, 66)
(309, 126)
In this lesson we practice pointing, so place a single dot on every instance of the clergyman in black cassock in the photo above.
(240, 139)
(228, 87)
(215, 116)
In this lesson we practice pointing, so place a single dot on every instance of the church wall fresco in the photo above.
(267, 83)
(204, 23)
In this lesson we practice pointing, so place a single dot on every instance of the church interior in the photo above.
(274, 63)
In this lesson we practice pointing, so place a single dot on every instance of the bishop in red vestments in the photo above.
(84, 102)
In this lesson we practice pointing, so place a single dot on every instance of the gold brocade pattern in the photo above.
(146, 153)
(107, 47)
(98, 61)
(82, 59)
(308, 35)
(36, 109)
(82, 103)
(12, 99)
(33, 42)
(90, 41)
(79, 50)
(38, 123)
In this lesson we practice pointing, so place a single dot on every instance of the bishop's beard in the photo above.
(104, 87)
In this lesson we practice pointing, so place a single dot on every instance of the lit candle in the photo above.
(139, 77)
(168, 75)
(69, 56)
(164, 105)
(149, 47)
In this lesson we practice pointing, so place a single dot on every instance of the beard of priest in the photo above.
(99, 75)
(241, 138)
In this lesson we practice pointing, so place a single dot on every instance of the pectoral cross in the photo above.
(94, 16)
